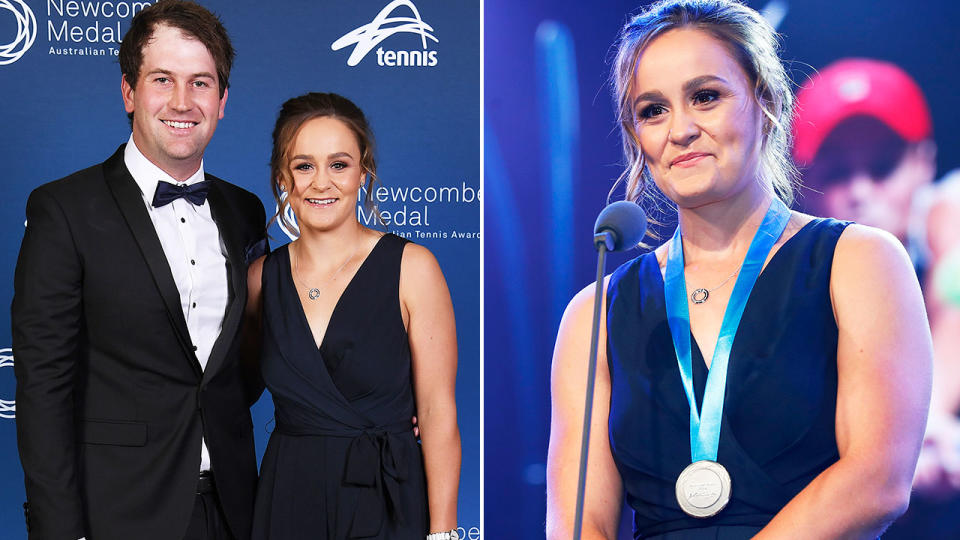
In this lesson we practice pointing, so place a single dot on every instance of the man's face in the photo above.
(866, 173)
(176, 103)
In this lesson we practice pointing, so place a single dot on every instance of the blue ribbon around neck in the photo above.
(705, 426)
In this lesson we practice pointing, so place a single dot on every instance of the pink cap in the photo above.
(853, 87)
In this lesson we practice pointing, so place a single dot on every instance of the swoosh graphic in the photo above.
(368, 36)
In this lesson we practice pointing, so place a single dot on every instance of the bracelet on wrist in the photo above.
(444, 535)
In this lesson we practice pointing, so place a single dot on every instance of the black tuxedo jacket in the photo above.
(111, 400)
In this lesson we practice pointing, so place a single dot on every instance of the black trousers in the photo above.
(207, 522)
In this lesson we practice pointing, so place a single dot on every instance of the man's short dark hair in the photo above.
(192, 19)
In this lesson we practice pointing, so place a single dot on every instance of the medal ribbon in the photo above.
(705, 427)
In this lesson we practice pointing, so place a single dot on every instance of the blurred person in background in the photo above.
(864, 143)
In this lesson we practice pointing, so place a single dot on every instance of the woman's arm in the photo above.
(603, 497)
(884, 359)
(433, 346)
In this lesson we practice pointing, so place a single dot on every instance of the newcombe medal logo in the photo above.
(26, 31)
(8, 407)
(384, 25)
(289, 225)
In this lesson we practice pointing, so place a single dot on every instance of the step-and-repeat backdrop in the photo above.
(413, 66)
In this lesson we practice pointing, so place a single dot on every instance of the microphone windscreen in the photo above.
(626, 220)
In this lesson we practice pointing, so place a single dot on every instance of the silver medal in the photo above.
(703, 488)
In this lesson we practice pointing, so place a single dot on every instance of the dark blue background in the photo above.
(526, 282)
(62, 113)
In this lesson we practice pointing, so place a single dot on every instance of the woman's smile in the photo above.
(690, 159)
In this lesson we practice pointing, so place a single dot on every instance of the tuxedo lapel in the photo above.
(130, 201)
(228, 223)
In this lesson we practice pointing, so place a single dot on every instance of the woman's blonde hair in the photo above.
(294, 113)
(752, 42)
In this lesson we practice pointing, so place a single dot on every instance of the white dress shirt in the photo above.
(196, 255)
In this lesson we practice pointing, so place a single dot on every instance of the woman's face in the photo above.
(325, 169)
(865, 172)
(696, 117)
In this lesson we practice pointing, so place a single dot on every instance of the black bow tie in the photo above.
(167, 193)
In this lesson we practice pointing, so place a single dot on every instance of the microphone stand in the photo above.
(604, 241)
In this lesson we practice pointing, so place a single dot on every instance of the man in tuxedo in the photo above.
(133, 415)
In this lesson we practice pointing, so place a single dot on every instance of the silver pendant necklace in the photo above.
(314, 292)
(699, 296)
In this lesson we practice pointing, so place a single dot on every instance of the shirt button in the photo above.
(194, 304)
(183, 220)
(194, 348)
(193, 262)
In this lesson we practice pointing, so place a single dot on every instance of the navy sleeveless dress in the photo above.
(342, 461)
(777, 430)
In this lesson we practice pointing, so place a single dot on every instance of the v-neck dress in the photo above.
(342, 461)
(777, 432)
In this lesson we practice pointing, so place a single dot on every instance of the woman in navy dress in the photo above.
(358, 336)
(825, 362)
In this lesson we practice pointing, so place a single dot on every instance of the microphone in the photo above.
(619, 226)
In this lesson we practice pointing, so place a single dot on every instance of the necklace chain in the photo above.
(314, 292)
(699, 296)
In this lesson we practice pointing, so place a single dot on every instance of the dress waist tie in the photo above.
(376, 462)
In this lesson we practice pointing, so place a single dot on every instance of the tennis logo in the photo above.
(8, 407)
(26, 31)
(384, 25)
